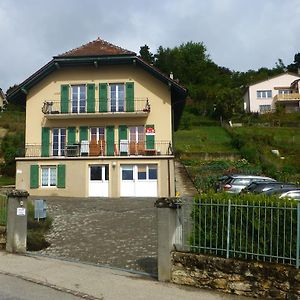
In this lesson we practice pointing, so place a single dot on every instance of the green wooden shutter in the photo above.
(71, 135)
(64, 99)
(34, 176)
(110, 140)
(129, 96)
(91, 98)
(83, 133)
(122, 136)
(103, 97)
(61, 176)
(150, 139)
(45, 141)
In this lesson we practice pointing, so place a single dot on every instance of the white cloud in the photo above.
(238, 34)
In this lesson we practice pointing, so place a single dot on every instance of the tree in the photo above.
(146, 55)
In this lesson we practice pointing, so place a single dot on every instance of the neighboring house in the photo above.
(2, 99)
(99, 122)
(263, 96)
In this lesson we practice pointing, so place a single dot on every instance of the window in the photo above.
(264, 108)
(97, 133)
(59, 141)
(152, 172)
(117, 97)
(142, 172)
(49, 176)
(147, 172)
(127, 173)
(264, 94)
(78, 98)
(284, 92)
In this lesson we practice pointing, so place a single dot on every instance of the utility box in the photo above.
(40, 209)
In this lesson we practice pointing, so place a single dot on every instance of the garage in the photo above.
(139, 180)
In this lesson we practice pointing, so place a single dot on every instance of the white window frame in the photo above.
(284, 92)
(76, 97)
(262, 110)
(264, 94)
(98, 134)
(48, 170)
(147, 172)
(61, 146)
(118, 98)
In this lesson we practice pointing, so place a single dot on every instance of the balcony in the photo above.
(139, 107)
(294, 97)
(101, 148)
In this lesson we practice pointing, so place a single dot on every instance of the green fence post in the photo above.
(228, 229)
(298, 236)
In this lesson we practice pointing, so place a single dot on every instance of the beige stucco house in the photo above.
(264, 96)
(99, 123)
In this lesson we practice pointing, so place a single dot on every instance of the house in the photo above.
(99, 122)
(2, 98)
(264, 96)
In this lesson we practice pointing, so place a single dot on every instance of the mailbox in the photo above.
(40, 209)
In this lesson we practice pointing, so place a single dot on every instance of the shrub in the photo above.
(256, 224)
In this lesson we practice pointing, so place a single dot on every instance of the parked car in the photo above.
(257, 187)
(236, 182)
(293, 193)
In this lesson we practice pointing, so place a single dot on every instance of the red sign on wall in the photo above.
(150, 131)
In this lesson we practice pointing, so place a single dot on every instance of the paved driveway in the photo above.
(117, 232)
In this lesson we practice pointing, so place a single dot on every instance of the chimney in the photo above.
(171, 75)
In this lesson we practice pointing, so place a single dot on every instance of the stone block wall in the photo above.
(2, 237)
(249, 278)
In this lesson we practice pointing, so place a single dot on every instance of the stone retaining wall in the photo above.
(2, 237)
(249, 278)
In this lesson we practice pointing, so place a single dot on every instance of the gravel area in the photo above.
(116, 232)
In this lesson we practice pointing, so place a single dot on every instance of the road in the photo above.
(13, 288)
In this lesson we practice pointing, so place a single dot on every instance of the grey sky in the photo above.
(238, 34)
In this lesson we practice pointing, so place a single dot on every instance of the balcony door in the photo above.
(117, 97)
(136, 140)
(78, 99)
(58, 141)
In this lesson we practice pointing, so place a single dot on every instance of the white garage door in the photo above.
(138, 181)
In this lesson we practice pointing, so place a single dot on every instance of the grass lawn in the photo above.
(210, 139)
(6, 180)
(280, 134)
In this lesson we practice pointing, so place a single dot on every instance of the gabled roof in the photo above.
(269, 78)
(97, 53)
(97, 47)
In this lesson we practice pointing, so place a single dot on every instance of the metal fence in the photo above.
(3, 209)
(268, 231)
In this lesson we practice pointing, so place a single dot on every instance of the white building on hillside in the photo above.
(263, 96)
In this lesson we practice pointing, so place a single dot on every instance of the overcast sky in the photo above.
(238, 34)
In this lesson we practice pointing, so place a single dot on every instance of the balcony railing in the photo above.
(101, 148)
(54, 109)
(287, 97)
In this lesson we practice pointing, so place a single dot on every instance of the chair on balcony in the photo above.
(101, 144)
(141, 148)
(84, 148)
(94, 148)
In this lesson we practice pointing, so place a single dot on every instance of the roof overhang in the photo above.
(178, 92)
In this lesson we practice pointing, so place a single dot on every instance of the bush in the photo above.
(257, 222)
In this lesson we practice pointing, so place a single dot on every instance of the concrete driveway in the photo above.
(115, 232)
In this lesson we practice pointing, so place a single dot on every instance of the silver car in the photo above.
(236, 182)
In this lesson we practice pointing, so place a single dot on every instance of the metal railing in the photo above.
(54, 107)
(268, 231)
(101, 148)
(3, 209)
